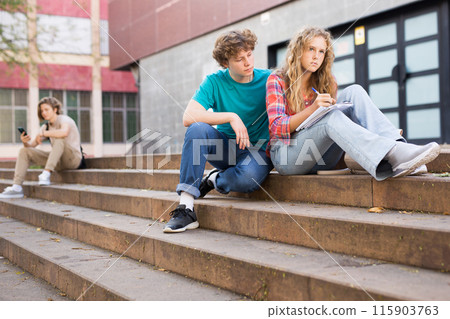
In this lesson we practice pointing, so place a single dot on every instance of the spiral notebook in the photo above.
(321, 112)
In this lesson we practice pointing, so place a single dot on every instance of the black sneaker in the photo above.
(182, 218)
(206, 186)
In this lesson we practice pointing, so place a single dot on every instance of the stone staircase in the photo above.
(96, 234)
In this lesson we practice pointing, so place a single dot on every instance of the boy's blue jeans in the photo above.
(240, 170)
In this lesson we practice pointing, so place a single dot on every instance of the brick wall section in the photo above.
(70, 8)
(65, 77)
(117, 81)
(15, 78)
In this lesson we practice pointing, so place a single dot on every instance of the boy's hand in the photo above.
(25, 138)
(40, 137)
(241, 132)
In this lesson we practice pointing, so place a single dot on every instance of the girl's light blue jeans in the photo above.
(362, 131)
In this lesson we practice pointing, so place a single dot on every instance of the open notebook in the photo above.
(321, 112)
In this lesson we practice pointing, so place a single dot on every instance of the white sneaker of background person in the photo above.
(15, 191)
(44, 178)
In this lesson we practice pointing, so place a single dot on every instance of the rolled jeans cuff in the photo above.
(188, 189)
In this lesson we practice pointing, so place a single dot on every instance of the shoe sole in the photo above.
(417, 172)
(11, 196)
(420, 160)
(44, 183)
(193, 225)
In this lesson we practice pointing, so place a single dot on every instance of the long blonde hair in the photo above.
(322, 80)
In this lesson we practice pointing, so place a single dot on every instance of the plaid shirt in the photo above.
(278, 109)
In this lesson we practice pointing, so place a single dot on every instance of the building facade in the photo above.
(70, 61)
(398, 50)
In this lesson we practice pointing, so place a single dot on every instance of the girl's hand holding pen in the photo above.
(323, 99)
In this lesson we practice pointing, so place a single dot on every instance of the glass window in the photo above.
(58, 95)
(118, 127)
(422, 90)
(344, 46)
(384, 95)
(5, 97)
(132, 129)
(106, 100)
(73, 114)
(394, 118)
(131, 100)
(421, 26)
(85, 126)
(44, 93)
(424, 123)
(344, 71)
(13, 114)
(107, 129)
(281, 56)
(117, 100)
(21, 97)
(20, 120)
(422, 56)
(72, 98)
(120, 116)
(85, 99)
(382, 63)
(382, 36)
(6, 128)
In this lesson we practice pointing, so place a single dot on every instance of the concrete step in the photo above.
(85, 272)
(256, 268)
(172, 161)
(415, 239)
(17, 284)
(426, 193)
(138, 162)
(7, 164)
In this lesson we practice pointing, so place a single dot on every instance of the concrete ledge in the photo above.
(161, 161)
(422, 193)
(416, 239)
(74, 266)
(255, 268)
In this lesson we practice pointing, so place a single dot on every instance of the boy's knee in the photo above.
(24, 152)
(58, 141)
(252, 178)
(198, 130)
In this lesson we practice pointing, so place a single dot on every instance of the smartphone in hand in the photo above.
(22, 130)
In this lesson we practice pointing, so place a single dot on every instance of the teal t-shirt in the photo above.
(248, 100)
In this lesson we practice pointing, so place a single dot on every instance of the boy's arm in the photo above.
(195, 112)
(63, 132)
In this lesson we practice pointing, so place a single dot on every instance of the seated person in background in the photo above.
(66, 149)
(303, 85)
(236, 95)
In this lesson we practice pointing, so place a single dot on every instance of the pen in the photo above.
(315, 91)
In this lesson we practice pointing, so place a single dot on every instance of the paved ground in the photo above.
(17, 284)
